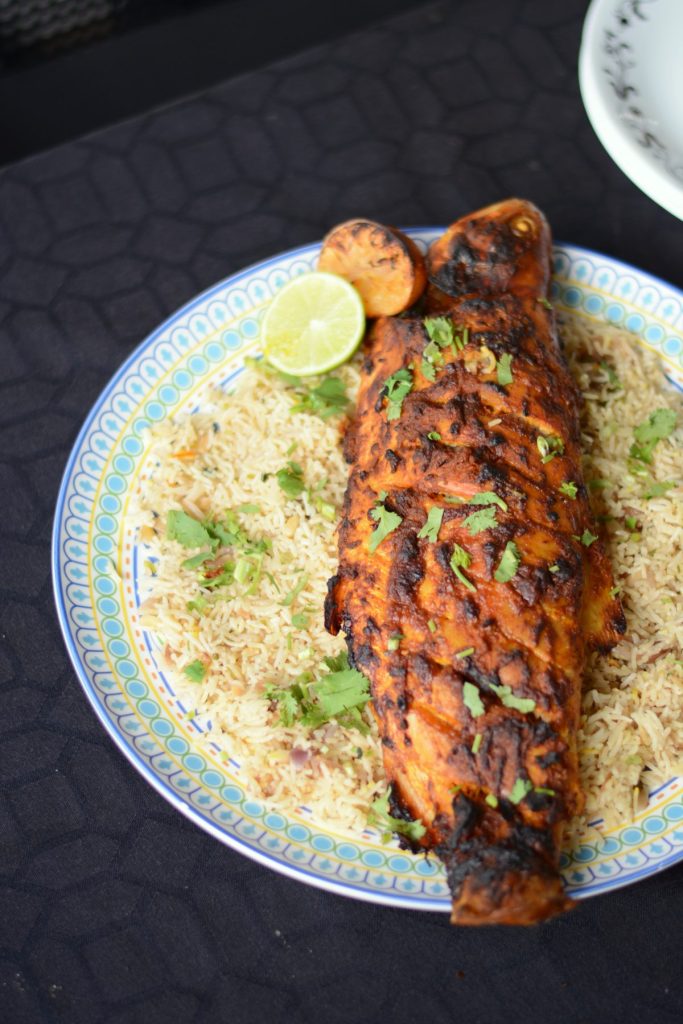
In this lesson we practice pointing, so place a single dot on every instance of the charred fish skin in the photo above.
(478, 702)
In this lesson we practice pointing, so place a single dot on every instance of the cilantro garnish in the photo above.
(432, 525)
(394, 641)
(491, 800)
(460, 558)
(569, 489)
(380, 816)
(465, 652)
(519, 790)
(439, 329)
(326, 399)
(291, 479)
(659, 425)
(195, 560)
(198, 605)
(659, 489)
(472, 700)
(509, 700)
(477, 522)
(397, 386)
(509, 563)
(544, 302)
(549, 447)
(587, 538)
(486, 498)
(428, 370)
(476, 743)
(186, 530)
(630, 522)
(504, 369)
(300, 620)
(431, 625)
(339, 694)
(434, 435)
(553, 568)
(386, 521)
(195, 671)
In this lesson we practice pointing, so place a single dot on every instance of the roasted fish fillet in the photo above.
(472, 580)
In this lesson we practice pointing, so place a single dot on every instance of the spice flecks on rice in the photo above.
(228, 456)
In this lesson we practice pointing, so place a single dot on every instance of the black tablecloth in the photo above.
(114, 908)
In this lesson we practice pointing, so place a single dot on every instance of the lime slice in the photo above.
(314, 323)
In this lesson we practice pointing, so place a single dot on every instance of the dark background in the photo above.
(112, 907)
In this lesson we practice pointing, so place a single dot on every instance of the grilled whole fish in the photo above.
(474, 632)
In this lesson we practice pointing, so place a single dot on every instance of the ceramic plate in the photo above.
(202, 345)
(631, 77)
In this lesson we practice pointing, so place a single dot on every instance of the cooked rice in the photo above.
(632, 731)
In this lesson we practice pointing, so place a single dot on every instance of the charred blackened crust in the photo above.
(512, 879)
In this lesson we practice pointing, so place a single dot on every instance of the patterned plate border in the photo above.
(95, 560)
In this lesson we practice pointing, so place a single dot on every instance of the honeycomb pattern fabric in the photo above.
(113, 908)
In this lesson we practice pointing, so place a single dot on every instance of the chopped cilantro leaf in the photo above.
(549, 446)
(198, 605)
(465, 652)
(339, 694)
(504, 369)
(379, 815)
(509, 700)
(477, 522)
(386, 521)
(659, 489)
(476, 743)
(461, 558)
(544, 302)
(569, 489)
(614, 591)
(587, 538)
(195, 671)
(397, 386)
(630, 522)
(491, 800)
(656, 427)
(487, 498)
(434, 435)
(432, 525)
(472, 700)
(519, 790)
(394, 641)
(509, 563)
(428, 371)
(187, 531)
(439, 329)
(291, 480)
(431, 625)
(544, 790)
(553, 568)
(300, 620)
(195, 560)
(326, 399)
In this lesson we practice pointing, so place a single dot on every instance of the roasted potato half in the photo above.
(383, 264)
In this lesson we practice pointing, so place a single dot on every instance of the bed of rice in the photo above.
(632, 730)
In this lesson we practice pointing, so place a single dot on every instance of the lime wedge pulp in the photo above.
(314, 323)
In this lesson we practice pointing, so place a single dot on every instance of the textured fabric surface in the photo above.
(112, 907)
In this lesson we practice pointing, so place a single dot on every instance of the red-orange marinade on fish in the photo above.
(472, 580)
